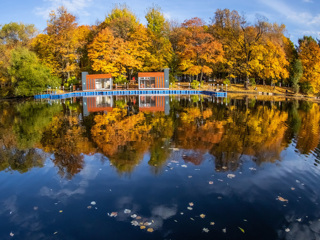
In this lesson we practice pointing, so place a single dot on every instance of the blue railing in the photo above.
(129, 92)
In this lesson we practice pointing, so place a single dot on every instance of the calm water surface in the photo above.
(160, 167)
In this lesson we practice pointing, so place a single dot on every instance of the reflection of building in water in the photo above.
(154, 103)
(153, 80)
(96, 81)
(97, 104)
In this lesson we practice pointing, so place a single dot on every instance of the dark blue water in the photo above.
(186, 168)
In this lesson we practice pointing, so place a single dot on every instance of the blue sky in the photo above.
(301, 17)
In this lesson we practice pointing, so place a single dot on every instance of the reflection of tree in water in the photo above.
(258, 133)
(66, 138)
(21, 128)
(309, 132)
(124, 139)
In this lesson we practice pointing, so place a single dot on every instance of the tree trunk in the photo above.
(201, 75)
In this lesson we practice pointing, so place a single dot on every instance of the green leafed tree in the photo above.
(27, 74)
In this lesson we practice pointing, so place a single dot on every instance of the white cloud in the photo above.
(298, 17)
(77, 7)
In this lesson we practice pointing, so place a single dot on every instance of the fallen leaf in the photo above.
(224, 230)
(231, 176)
(134, 223)
(241, 229)
(134, 215)
(211, 223)
(210, 182)
(127, 211)
(55, 233)
(192, 219)
(93, 203)
(181, 213)
(287, 229)
(189, 208)
(292, 188)
(191, 204)
(11, 234)
(206, 230)
(89, 207)
(184, 166)
(299, 219)
(281, 199)
(60, 211)
(202, 215)
(35, 208)
(138, 217)
(113, 214)
(150, 230)
(142, 227)
(189, 176)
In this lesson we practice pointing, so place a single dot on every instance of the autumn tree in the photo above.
(160, 47)
(121, 47)
(309, 54)
(198, 49)
(59, 47)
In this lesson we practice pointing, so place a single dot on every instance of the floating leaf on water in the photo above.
(142, 227)
(60, 211)
(197, 169)
(55, 233)
(219, 198)
(230, 175)
(127, 211)
(181, 213)
(113, 214)
(89, 207)
(147, 223)
(192, 219)
(299, 219)
(241, 229)
(206, 230)
(287, 229)
(150, 230)
(93, 203)
(202, 215)
(174, 161)
(297, 181)
(184, 166)
(134, 223)
(224, 167)
(189, 208)
(245, 220)
(191, 204)
(292, 188)
(210, 182)
(281, 199)
(224, 230)
(175, 220)
(11, 234)
(35, 208)
(252, 169)
(212, 223)
(138, 217)
(134, 215)
(189, 176)
(220, 180)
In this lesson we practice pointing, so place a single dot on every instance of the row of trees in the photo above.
(228, 48)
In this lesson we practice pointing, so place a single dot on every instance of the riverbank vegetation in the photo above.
(228, 49)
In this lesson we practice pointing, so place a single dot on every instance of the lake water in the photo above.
(160, 167)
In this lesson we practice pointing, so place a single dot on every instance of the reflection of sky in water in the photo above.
(268, 200)
(248, 200)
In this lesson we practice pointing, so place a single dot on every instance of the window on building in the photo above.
(147, 82)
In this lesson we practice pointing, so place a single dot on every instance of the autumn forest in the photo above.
(228, 49)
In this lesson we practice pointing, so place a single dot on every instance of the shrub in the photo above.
(195, 84)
